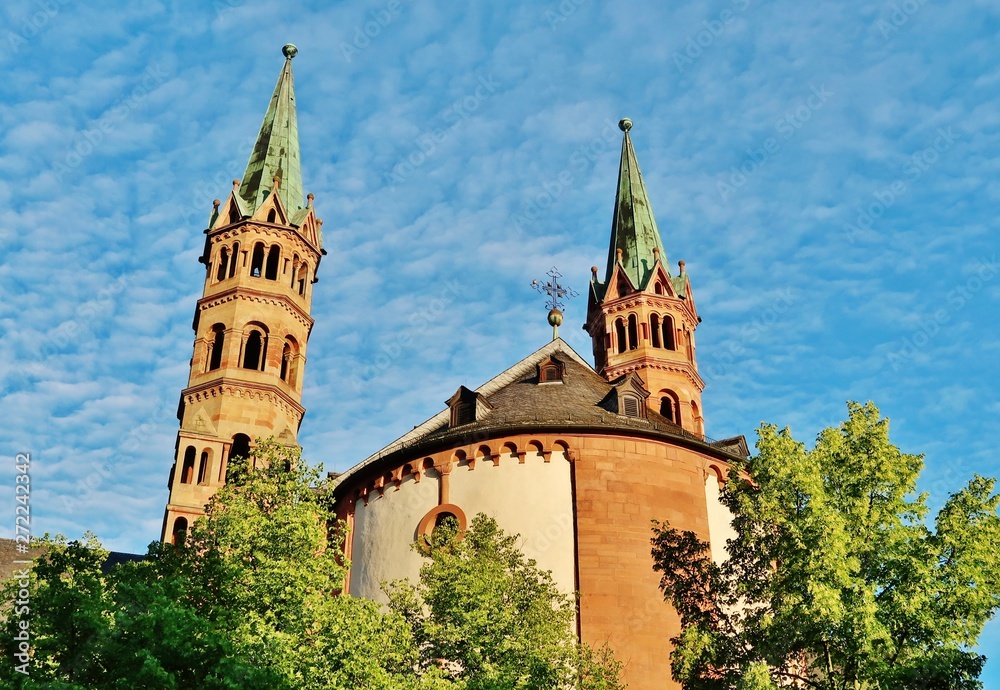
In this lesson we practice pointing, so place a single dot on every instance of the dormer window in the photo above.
(627, 397)
(463, 413)
(550, 370)
(467, 407)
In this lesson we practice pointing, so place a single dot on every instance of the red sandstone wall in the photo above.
(620, 486)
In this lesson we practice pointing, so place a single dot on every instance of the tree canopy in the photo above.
(491, 619)
(835, 580)
(250, 600)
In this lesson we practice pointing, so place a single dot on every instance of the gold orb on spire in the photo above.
(625, 124)
(289, 50)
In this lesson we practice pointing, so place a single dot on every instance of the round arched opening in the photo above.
(437, 517)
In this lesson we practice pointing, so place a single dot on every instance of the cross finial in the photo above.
(556, 293)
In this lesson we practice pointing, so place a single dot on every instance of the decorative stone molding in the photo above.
(446, 461)
(241, 292)
(246, 391)
(429, 521)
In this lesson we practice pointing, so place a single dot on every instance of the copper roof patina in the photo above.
(633, 228)
(276, 153)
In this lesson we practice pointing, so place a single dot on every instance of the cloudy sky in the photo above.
(828, 171)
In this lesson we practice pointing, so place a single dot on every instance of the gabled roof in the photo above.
(276, 153)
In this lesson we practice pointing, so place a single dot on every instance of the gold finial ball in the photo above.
(625, 124)
(289, 50)
(555, 318)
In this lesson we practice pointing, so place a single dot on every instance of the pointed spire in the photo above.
(634, 235)
(276, 153)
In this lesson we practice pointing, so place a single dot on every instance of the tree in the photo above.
(265, 566)
(491, 619)
(247, 601)
(834, 580)
(93, 630)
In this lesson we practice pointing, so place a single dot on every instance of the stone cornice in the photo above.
(614, 371)
(261, 296)
(360, 480)
(244, 389)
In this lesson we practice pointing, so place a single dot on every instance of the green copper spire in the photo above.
(276, 153)
(633, 229)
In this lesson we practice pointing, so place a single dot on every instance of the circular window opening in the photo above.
(442, 515)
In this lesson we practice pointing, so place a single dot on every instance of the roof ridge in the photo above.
(507, 376)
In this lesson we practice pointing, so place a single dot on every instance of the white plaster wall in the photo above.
(533, 499)
(384, 532)
(720, 527)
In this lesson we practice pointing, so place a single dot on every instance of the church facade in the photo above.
(575, 457)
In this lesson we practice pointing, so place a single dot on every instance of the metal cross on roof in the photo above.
(554, 290)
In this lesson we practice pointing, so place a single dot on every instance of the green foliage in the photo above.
(246, 602)
(490, 619)
(834, 579)
(249, 601)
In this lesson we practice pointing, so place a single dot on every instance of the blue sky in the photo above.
(828, 171)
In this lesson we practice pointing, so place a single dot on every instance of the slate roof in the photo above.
(519, 401)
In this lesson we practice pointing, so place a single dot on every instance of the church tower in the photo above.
(262, 248)
(642, 318)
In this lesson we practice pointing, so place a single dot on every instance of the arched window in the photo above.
(668, 333)
(223, 264)
(272, 215)
(550, 372)
(302, 276)
(179, 534)
(654, 329)
(234, 214)
(255, 350)
(234, 264)
(240, 447)
(286, 355)
(620, 335)
(203, 468)
(658, 288)
(295, 269)
(273, 260)
(631, 405)
(257, 260)
(689, 339)
(216, 346)
(187, 470)
(670, 406)
(699, 423)
(633, 332)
